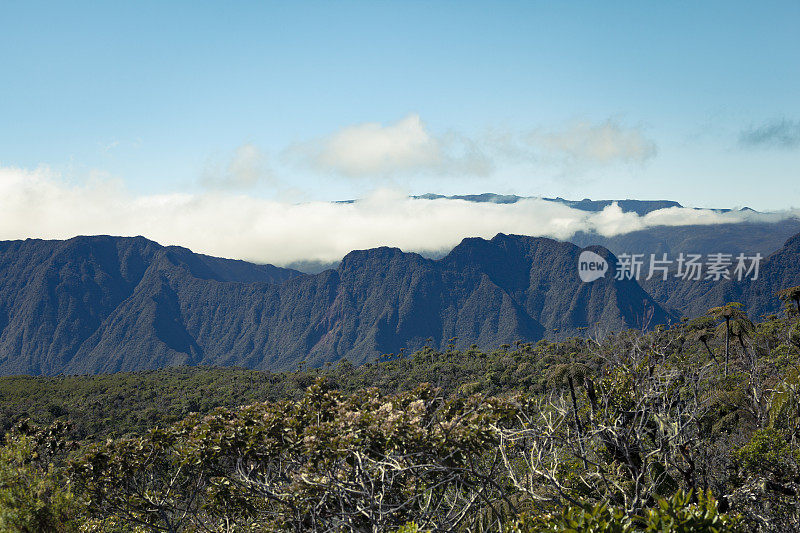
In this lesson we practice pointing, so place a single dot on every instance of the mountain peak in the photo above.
(379, 252)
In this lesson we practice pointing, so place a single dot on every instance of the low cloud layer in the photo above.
(37, 203)
(774, 134)
(406, 147)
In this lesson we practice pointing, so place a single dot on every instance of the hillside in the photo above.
(742, 237)
(55, 296)
(779, 270)
(104, 304)
(631, 432)
(108, 304)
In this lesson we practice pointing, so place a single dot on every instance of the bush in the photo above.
(768, 454)
(34, 496)
(676, 514)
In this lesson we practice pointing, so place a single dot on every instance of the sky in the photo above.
(276, 105)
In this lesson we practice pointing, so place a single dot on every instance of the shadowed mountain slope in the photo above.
(779, 270)
(734, 238)
(56, 295)
(739, 237)
(105, 304)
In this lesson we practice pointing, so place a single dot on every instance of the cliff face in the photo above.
(777, 271)
(57, 296)
(104, 304)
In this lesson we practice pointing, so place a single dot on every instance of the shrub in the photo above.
(34, 496)
(675, 515)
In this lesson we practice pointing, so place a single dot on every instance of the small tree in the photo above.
(702, 329)
(728, 312)
(792, 294)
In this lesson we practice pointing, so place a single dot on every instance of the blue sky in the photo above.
(298, 101)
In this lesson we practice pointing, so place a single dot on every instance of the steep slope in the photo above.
(742, 237)
(541, 276)
(56, 295)
(484, 292)
(733, 238)
(779, 270)
(105, 304)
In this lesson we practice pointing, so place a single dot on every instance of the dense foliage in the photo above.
(691, 428)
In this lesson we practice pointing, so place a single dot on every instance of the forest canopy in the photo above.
(689, 428)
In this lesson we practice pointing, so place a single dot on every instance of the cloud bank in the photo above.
(39, 204)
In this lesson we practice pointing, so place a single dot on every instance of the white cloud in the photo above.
(407, 147)
(246, 169)
(38, 203)
(374, 150)
(603, 143)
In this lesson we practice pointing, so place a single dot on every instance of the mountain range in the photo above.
(640, 207)
(106, 304)
(749, 235)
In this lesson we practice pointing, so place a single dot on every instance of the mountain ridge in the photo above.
(156, 306)
(97, 304)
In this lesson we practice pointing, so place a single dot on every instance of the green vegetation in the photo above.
(33, 492)
(632, 432)
(682, 512)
